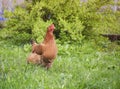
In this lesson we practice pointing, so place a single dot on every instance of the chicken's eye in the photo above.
(50, 30)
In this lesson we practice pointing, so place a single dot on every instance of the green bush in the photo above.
(74, 20)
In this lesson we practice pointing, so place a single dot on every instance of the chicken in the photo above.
(47, 49)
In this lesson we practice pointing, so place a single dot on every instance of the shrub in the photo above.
(73, 19)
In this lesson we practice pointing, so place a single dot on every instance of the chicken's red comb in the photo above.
(52, 27)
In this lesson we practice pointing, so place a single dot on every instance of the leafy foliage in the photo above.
(74, 20)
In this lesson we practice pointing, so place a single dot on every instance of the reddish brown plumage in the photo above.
(34, 58)
(47, 49)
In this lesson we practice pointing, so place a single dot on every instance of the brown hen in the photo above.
(47, 49)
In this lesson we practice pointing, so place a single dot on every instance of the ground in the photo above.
(76, 67)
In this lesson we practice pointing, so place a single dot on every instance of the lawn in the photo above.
(85, 66)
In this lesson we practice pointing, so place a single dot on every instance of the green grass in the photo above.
(76, 67)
